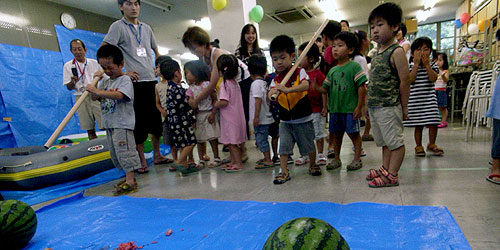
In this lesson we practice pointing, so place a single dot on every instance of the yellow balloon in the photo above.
(219, 4)
(483, 24)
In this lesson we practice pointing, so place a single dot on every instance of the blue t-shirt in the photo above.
(494, 110)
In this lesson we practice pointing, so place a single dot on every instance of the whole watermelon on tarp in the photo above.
(306, 234)
(17, 224)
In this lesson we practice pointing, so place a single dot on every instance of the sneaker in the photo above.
(281, 178)
(334, 164)
(321, 159)
(367, 138)
(302, 160)
(355, 165)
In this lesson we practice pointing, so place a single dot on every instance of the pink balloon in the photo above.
(464, 18)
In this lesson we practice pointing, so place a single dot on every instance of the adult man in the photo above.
(344, 25)
(136, 40)
(77, 73)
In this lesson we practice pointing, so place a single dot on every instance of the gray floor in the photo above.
(455, 180)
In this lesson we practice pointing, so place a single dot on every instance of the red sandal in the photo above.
(376, 173)
(378, 182)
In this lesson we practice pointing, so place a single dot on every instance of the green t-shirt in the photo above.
(342, 83)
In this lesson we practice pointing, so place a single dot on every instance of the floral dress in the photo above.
(180, 117)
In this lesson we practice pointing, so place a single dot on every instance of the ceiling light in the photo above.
(163, 50)
(203, 23)
(422, 15)
(189, 56)
(20, 21)
(429, 4)
(329, 7)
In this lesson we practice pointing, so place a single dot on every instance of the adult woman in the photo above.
(400, 36)
(249, 44)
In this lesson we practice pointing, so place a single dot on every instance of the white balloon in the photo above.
(473, 28)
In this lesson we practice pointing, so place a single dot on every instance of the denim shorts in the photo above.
(262, 137)
(343, 122)
(441, 98)
(301, 133)
(495, 147)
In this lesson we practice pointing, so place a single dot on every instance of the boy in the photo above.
(294, 107)
(388, 94)
(259, 109)
(117, 97)
(345, 85)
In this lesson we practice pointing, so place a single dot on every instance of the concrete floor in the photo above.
(455, 180)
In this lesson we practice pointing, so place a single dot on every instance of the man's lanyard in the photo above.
(132, 28)
(82, 72)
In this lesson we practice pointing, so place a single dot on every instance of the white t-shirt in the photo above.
(87, 69)
(194, 90)
(259, 90)
(362, 62)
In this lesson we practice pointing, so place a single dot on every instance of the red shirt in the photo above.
(315, 77)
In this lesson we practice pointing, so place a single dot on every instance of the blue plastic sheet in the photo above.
(48, 193)
(96, 222)
(91, 39)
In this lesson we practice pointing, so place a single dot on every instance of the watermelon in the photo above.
(305, 234)
(17, 224)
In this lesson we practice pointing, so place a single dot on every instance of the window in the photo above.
(446, 38)
(428, 30)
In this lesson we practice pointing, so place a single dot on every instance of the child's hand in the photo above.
(416, 57)
(164, 113)
(367, 115)
(99, 74)
(255, 121)
(91, 88)
(358, 112)
(211, 118)
(405, 114)
(282, 88)
(324, 111)
(273, 91)
(425, 60)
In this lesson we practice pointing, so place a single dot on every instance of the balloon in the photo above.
(464, 18)
(219, 4)
(483, 24)
(473, 29)
(256, 13)
(458, 24)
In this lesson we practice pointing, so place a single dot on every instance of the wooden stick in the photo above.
(301, 57)
(69, 115)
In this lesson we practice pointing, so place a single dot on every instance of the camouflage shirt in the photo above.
(383, 90)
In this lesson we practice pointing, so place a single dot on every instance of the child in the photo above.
(318, 101)
(180, 117)
(207, 126)
(494, 113)
(345, 85)
(294, 108)
(161, 104)
(117, 97)
(261, 116)
(440, 87)
(232, 118)
(387, 94)
(422, 105)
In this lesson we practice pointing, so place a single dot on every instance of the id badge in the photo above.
(141, 51)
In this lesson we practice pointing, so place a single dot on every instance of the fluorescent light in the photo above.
(429, 4)
(188, 56)
(263, 43)
(422, 15)
(163, 50)
(20, 21)
(329, 7)
(204, 23)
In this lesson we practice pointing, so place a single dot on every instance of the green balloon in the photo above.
(257, 13)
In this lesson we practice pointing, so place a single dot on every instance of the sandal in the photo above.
(201, 165)
(331, 154)
(419, 151)
(166, 161)
(302, 160)
(217, 162)
(355, 165)
(125, 188)
(262, 165)
(376, 173)
(334, 164)
(143, 170)
(378, 182)
(321, 160)
(315, 170)
(232, 168)
(205, 158)
(281, 178)
(117, 185)
(491, 176)
(435, 150)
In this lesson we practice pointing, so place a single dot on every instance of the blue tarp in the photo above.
(91, 39)
(96, 222)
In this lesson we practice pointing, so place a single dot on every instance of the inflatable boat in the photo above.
(33, 167)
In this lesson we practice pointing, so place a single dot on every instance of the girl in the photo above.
(249, 44)
(207, 127)
(232, 118)
(318, 101)
(440, 86)
(422, 104)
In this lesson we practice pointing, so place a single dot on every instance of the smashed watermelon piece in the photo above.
(127, 246)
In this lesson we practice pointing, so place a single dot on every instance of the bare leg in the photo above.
(356, 141)
(444, 114)
(337, 142)
(214, 144)
(157, 157)
(91, 133)
(284, 163)
(386, 157)
(129, 177)
(140, 150)
(368, 126)
(173, 149)
(202, 150)
(236, 154)
(312, 158)
(433, 130)
(495, 168)
(267, 158)
(331, 142)
(320, 144)
(243, 149)
(185, 152)
(418, 135)
(274, 145)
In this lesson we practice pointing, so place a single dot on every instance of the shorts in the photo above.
(442, 98)
(274, 130)
(262, 137)
(122, 149)
(165, 134)
(301, 133)
(319, 126)
(387, 126)
(89, 113)
(343, 122)
(495, 147)
(147, 116)
(204, 130)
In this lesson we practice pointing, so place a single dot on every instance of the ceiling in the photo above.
(170, 25)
